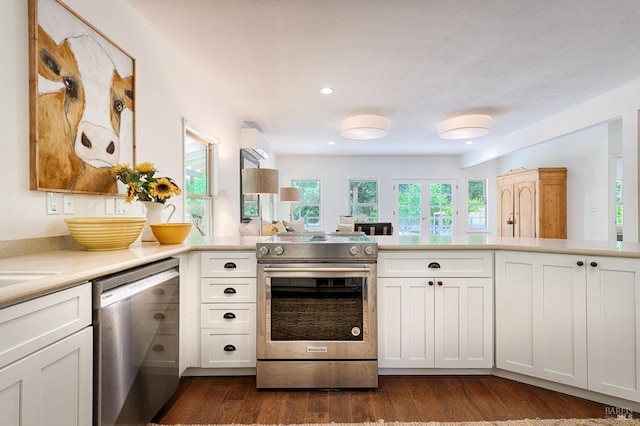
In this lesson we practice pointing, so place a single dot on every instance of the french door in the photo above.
(424, 207)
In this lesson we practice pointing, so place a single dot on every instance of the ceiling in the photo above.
(416, 62)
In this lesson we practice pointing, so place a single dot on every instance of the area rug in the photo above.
(525, 422)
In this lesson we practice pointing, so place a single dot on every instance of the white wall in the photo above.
(585, 154)
(335, 173)
(167, 89)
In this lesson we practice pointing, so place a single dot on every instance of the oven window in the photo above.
(329, 309)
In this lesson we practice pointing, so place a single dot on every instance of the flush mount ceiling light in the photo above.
(465, 127)
(364, 127)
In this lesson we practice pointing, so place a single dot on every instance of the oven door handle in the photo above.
(285, 269)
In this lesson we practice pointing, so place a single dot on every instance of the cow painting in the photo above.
(81, 99)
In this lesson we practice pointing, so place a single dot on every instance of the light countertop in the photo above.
(68, 267)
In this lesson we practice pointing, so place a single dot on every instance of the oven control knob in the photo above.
(264, 250)
(369, 250)
(278, 250)
(354, 250)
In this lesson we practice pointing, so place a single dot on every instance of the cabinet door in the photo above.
(31, 391)
(505, 210)
(463, 323)
(540, 316)
(525, 209)
(405, 323)
(613, 316)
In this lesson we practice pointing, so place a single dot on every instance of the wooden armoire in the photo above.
(533, 203)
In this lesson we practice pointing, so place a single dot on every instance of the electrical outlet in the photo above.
(109, 205)
(67, 204)
(53, 203)
(120, 206)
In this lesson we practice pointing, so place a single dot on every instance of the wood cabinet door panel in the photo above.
(525, 210)
(505, 211)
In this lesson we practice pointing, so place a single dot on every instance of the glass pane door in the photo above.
(409, 207)
(416, 198)
(440, 209)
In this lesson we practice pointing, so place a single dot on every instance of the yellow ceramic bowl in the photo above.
(105, 233)
(170, 233)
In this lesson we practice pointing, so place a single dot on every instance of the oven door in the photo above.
(317, 311)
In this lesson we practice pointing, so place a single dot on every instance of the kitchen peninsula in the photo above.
(563, 312)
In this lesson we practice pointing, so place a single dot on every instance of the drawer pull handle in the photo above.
(430, 282)
(594, 264)
(434, 265)
(440, 283)
(159, 316)
(230, 265)
(229, 315)
(229, 290)
(158, 348)
(229, 348)
(159, 292)
(580, 263)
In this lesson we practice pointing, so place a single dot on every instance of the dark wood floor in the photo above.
(225, 400)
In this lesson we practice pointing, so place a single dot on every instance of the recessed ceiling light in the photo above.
(469, 143)
(327, 90)
(332, 143)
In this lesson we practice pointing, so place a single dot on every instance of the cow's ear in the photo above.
(48, 53)
(127, 84)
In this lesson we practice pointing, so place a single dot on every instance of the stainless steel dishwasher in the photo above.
(136, 322)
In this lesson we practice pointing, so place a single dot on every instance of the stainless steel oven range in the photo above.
(317, 317)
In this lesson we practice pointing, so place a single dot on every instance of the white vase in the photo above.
(155, 214)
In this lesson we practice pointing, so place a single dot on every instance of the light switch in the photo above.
(109, 205)
(67, 204)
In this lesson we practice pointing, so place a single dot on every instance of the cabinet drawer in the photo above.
(228, 317)
(31, 325)
(236, 349)
(451, 264)
(222, 264)
(228, 290)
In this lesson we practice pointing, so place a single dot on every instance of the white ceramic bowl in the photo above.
(105, 233)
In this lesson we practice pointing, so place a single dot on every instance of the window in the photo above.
(197, 187)
(363, 200)
(618, 202)
(477, 204)
(309, 206)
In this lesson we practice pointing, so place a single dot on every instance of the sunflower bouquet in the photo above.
(142, 183)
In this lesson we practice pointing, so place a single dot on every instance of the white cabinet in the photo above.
(228, 309)
(570, 319)
(435, 309)
(613, 326)
(541, 316)
(46, 342)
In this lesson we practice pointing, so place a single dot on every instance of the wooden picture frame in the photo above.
(81, 109)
